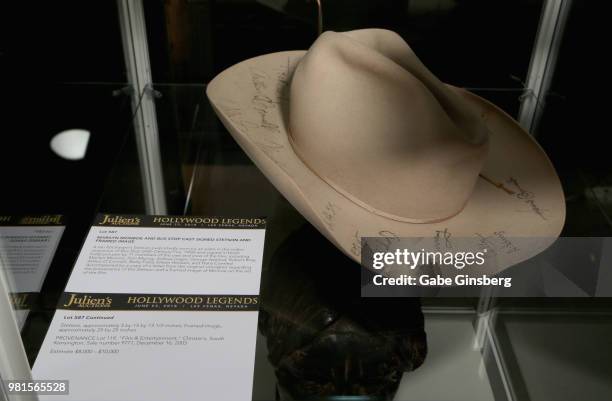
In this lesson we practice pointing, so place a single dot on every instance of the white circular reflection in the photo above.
(70, 144)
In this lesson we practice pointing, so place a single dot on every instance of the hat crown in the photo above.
(369, 118)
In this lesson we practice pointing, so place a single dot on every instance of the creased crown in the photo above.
(369, 118)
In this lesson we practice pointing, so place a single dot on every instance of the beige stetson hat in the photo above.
(364, 141)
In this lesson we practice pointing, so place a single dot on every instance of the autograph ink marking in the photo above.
(528, 198)
(329, 213)
(443, 235)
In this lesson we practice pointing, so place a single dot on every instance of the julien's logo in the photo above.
(19, 301)
(120, 221)
(87, 301)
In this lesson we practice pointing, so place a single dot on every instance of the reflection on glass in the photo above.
(70, 144)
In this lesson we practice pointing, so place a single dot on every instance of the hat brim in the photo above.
(518, 197)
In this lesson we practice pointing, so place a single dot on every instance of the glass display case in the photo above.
(134, 76)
